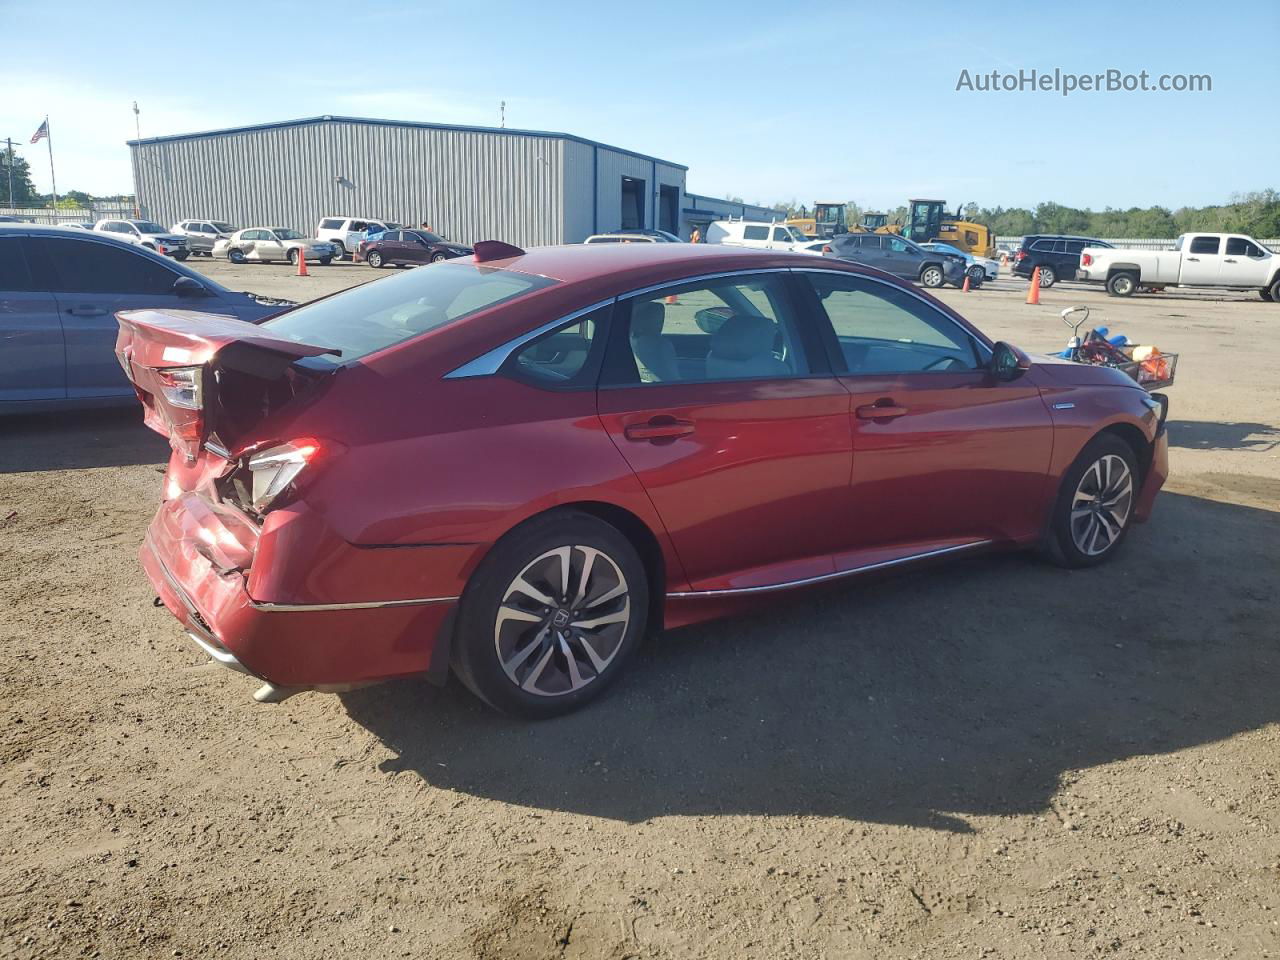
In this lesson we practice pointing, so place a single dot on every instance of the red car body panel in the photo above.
(356, 576)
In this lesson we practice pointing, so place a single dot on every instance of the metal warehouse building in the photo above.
(471, 183)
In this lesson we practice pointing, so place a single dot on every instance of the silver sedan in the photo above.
(272, 243)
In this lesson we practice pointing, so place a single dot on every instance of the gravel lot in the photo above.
(992, 758)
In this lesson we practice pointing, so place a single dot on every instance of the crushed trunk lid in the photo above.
(181, 362)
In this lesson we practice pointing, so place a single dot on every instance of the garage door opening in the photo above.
(668, 208)
(632, 204)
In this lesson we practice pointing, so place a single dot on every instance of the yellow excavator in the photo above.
(928, 220)
(828, 219)
(876, 223)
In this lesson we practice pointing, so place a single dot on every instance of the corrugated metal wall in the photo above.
(728, 208)
(468, 185)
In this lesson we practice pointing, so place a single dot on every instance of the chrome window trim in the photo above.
(701, 278)
(491, 362)
(789, 584)
(915, 293)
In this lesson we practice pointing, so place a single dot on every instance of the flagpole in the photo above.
(54, 180)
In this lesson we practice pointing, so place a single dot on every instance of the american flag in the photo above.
(42, 132)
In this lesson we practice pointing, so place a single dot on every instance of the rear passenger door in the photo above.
(724, 406)
(1202, 260)
(91, 281)
(32, 365)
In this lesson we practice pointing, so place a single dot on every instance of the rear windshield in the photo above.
(377, 315)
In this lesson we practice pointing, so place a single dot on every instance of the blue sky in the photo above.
(768, 101)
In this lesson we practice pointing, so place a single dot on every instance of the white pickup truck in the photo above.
(1226, 260)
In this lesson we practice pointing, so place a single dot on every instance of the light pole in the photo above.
(8, 165)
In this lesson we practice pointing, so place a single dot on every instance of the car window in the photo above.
(870, 242)
(83, 266)
(1240, 247)
(755, 233)
(559, 358)
(359, 225)
(1074, 246)
(782, 235)
(330, 224)
(374, 316)
(1042, 246)
(883, 329)
(391, 236)
(1204, 244)
(900, 246)
(729, 329)
(13, 266)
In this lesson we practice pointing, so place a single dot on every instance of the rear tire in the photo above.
(1122, 284)
(438, 257)
(325, 261)
(1048, 277)
(340, 249)
(374, 259)
(181, 255)
(531, 658)
(293, 257)
(1094, 509)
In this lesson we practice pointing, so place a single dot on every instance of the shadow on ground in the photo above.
(961, 690)
(78, 440)
(1208, 435)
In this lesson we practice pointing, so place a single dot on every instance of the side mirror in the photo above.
(188, 287)
(1008, 362)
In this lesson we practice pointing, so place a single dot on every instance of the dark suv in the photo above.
(899, 256)
(1057, 256)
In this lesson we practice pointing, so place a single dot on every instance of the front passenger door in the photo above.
(91, 281)
(943, 453)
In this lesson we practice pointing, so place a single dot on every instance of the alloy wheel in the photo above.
(1101, 504)
(562, 620)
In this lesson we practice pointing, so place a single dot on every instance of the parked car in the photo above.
(978, 268)
(409, 248)
(1058, 257)
(203, 234)
(813, 247)
(755, 234)
(5, 218)
(1230, 261)
(898, 256)
(620, 438)
(347, 233)
(144, 233)
(634, 236)
(59, 293)
(266, 244)
(77, 226)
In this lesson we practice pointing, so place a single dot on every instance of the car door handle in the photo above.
(86, 311)
(1228, 260)
(880, 410)
(658, 428)
(1193, 259)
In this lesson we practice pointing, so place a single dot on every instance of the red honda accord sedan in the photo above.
(517, 465)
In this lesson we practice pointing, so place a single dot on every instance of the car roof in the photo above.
(633, 263)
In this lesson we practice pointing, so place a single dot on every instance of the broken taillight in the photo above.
(274, 468)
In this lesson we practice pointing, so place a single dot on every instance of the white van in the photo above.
(348, 232)
(756, 234)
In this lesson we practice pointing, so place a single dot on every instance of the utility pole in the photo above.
(8, 164)
(137, 129)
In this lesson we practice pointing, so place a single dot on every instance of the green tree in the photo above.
(75, 198)
(24, 191)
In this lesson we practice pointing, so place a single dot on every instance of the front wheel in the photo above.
(374, 259)
(1122, 284)
(1095, 504)
(438, 257)
(235, 256)
(932, 277)
(1273, 291)
(293, 257)
(977, 274)
(551, 616)
(325, 261)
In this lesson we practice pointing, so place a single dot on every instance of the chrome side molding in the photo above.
(790, 584)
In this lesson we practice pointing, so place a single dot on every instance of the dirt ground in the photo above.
(987, 759)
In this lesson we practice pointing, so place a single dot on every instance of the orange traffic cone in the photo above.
(1033, 295)
(965, 288)
(673, 299)
(302, 264)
